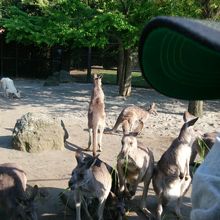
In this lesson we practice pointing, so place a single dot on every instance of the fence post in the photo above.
(89, 55)
(1, 39)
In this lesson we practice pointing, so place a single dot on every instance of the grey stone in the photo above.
(65, 77)
(52, 80)
(36, 132)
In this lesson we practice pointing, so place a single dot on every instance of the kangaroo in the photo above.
(132, 114)
(114, 206)
(171, 178)
(14, 202)
(96, 115)
(9, 89)
(90, 179)
(208, 139)
(135, 164)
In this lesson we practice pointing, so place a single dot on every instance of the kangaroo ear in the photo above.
(100, 76)
(187, 116)
(153, 109)
(153, 105)
(91, 162)
(79, 157)
(192, 122)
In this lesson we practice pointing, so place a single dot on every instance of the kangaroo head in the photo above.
(18, 94)
(25, 209)
(152, 110)
(82, 173)
(97, 79)
(187, 132)
(129, 144)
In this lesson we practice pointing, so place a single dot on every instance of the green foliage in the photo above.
(90, 23)
(203, 149)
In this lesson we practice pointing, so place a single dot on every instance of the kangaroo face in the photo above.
(80, 176)
(129, 143)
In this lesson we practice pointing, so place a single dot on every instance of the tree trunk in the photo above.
(65, 59)
(120, 64)
(125, 75)
(89, 68)
(196, 108)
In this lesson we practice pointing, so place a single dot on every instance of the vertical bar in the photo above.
(16, 60)
(89, 64)
(1, 38)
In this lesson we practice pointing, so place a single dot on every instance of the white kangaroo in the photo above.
(132, 114)
(135, 164)
(96, 115)
(90, 179)
(171, 178)
(14, 201)
(9, 89)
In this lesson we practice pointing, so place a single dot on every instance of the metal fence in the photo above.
(30, 61)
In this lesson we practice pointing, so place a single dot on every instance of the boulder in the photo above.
(52, 80)
(36, 132)
(56, 78)
(65, 76)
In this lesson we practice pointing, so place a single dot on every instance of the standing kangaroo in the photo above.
(90, 179)
(135, 164)
(15, 204)
(96, 115)
(171, 178)
(132, 114)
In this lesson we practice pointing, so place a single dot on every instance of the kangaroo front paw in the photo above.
(147, 213)
(100, 148)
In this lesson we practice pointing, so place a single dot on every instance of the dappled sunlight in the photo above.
(70, 103)
(71, 98)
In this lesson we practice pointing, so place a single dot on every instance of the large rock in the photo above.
(65, 76)
(36, 132)
(58, 77)
(52, 80)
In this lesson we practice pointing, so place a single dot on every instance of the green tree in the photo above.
(129, 18)
(91, 23)
(210, 9)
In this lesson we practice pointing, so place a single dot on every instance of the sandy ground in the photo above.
(51, 170)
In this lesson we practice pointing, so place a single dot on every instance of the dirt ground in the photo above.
(51, 170)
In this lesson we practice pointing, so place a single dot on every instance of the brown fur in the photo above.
(96, 115)
(90, 179)
(13, 199)
(171, 178)
(132, 114)
(135, 164)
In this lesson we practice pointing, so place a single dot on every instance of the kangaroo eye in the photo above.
(131, 143)
(81, 175)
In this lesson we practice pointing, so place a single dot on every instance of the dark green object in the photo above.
(180, 57)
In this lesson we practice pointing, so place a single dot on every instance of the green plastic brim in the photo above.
(180, 67)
